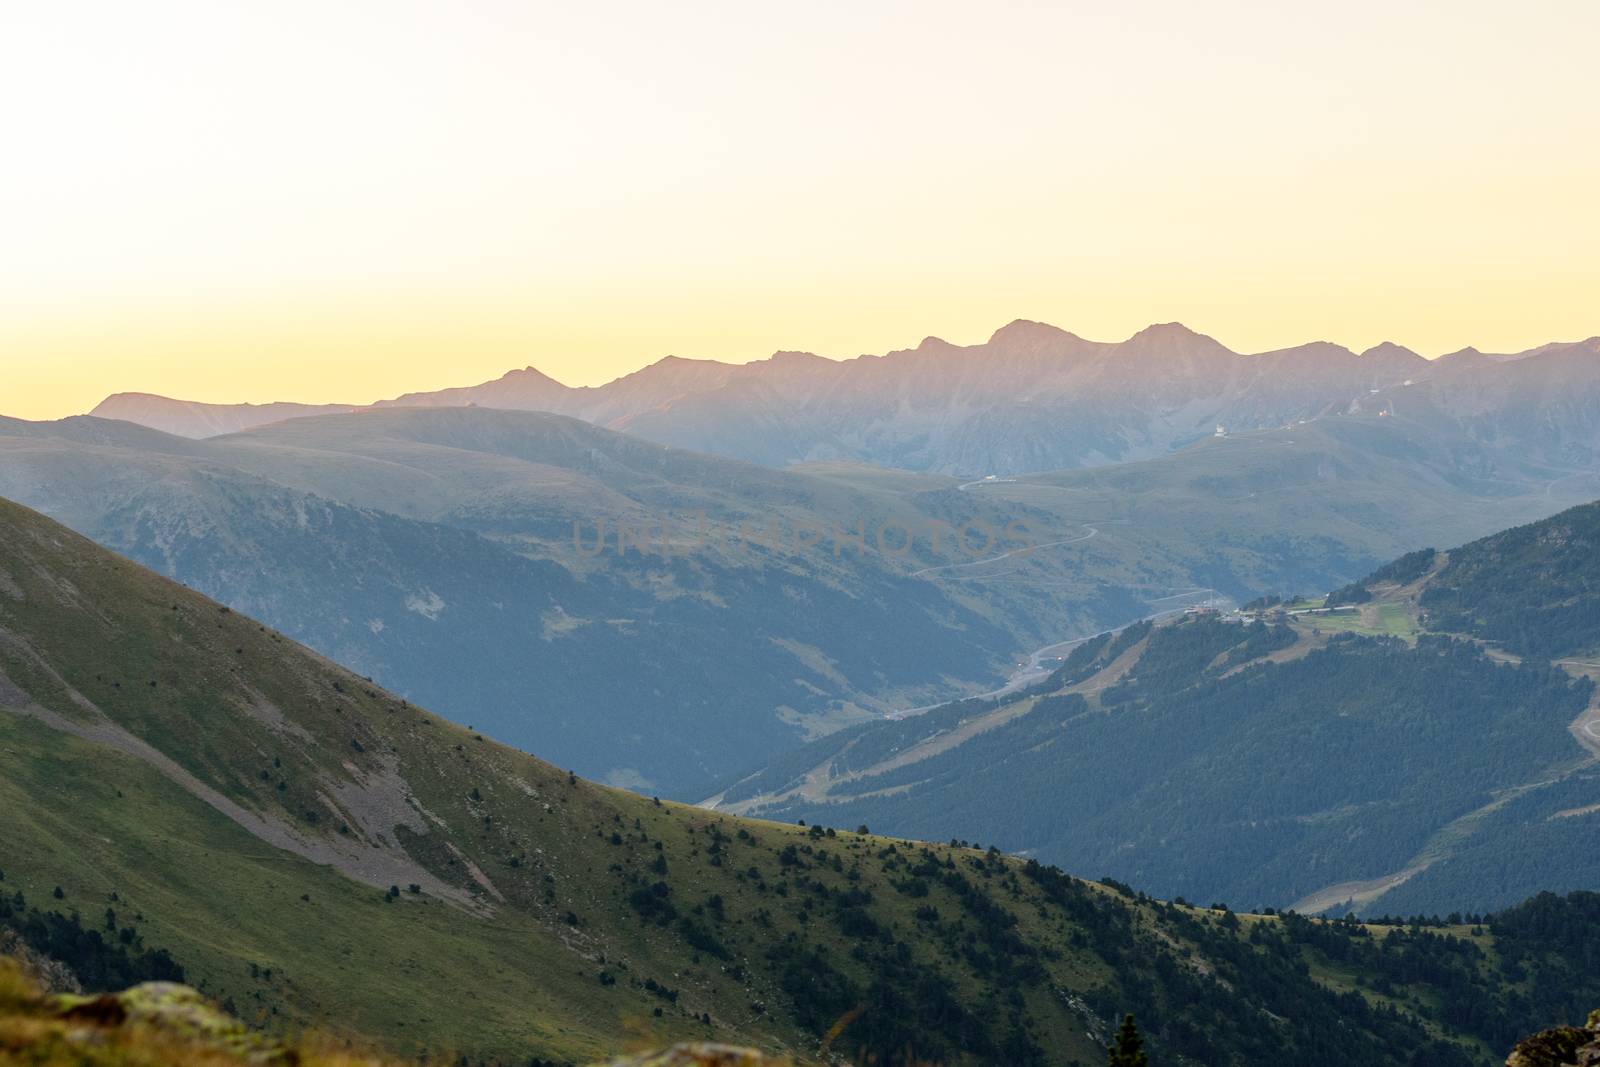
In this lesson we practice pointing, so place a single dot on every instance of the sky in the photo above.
(346, 201)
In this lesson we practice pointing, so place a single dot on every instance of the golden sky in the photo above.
(348, 200)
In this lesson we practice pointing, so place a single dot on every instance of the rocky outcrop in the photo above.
(156, 1024)
(48, 974)
(178, 1012)
(1565, 1046)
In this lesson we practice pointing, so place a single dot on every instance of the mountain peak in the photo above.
(196, 419)
(1028, 331)
(1173, 339)
(667, 377)
(115, 397)
(529, 374)
(1165, 330)
(670, 360)
(1312, 348)
(794, 358)
(1389, 350)
(675, 364)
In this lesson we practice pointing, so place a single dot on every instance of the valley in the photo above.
(468, 559)
(281, 828)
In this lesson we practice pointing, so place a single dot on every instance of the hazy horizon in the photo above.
(314, 204)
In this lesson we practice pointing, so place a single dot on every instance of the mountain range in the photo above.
(189, 795)
(1031, 398)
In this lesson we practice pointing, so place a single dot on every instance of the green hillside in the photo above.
(1531, 592)
(308, 849)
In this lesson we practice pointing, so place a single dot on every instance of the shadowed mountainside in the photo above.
(454, 555)
(1425, 743)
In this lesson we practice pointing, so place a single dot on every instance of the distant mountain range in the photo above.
(1032, 397)
(190, 418)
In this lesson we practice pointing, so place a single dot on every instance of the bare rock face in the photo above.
(1565, 1046)
(48, 974)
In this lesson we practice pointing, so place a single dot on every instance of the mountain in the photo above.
(189, 794)
(188, 418)
(445, 594)
(1533, 591)
(525, 390)
(1545, 403)
(1424, 742)
(455, 554)
(1031, 398)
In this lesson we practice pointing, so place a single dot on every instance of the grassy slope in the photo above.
(96, 821)
(1379, 619)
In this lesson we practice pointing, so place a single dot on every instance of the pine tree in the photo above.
(1129, 1049)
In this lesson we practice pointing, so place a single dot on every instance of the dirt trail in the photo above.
(1439, 846)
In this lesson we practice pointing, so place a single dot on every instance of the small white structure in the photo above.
(1222, 431)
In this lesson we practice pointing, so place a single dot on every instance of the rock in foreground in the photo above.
(1565, 1046)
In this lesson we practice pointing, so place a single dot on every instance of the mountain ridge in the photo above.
(989, 407)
